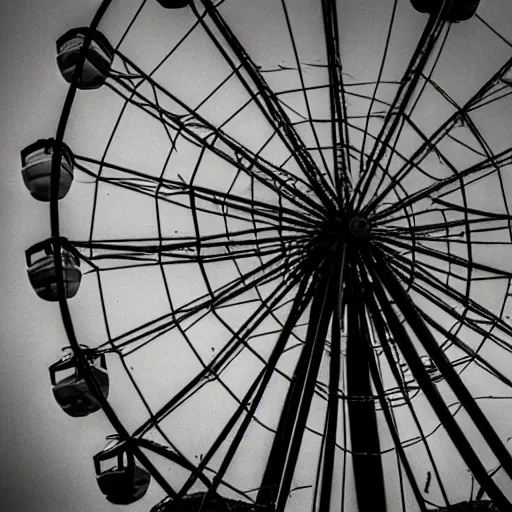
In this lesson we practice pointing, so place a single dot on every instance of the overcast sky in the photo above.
(47, 456)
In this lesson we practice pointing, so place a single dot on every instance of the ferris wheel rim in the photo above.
(82, 362)
(55, 233)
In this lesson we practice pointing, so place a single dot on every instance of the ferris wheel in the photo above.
(280, 240)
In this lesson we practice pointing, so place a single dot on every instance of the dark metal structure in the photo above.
(333, 280)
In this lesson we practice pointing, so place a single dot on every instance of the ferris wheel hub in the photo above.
(359, 227)
(348, 229)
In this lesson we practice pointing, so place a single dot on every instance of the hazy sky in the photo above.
(47, 456)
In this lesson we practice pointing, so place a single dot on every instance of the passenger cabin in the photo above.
(173, 4)
(42, 272)
(125, 481)
(458, 10)
(98, 59)
(36, 168)
(70, 388)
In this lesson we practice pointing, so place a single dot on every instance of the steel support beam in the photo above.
(364, 433)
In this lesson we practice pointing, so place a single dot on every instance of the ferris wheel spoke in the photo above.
(127, 370)
(391, 148)
(458, 261)
(337, 95)
(388, 413)
(382, 331)
(331, 418)
(395, 154)
(197, 130)
(165, 452)
(462, 319)
(442, 132)
(493, 96)
(423, 277)
(405, 343)
(221, 296)
(309, 114)
(225, 356)
(301, 301)
(221, 239)
(271, 107)
(276, 482)
(201, 251)
(488, 216)
(364, 436)
(171, 455)
(474, 355)
(493, 30)
(369, 115)
(178, 192)
(409, 84)
(439, 232)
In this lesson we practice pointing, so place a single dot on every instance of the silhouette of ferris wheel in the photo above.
(280, 243)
